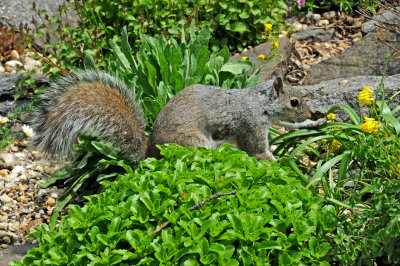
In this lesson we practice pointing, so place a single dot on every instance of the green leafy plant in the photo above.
(352, 158)
(5, 130)
(372, 236)
(234, 25)
(161, 214)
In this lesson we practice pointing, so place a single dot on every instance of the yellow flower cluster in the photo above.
(335, 145)
(261, 57)
(268, 27)
(275, 44)
(331, 116)
(365, 96)
(369, 125)
(244, 58)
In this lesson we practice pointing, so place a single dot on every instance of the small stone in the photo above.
(316, 17)
(7, 161)
(323, 22)
(4, 172)
(14, 148)
(19, 155)
(42, 192)
(23, 177)
(4, 246)
(9, 69)
(5, 198)
(298, 26)
(18, 169)
(14, 55)
(51, 201)
(342, 82)
(2, 69)
(347, 212)
(37, 155)
(6, 240)
(39, 168)
(12, 65)
(329, 14)
(30, 64)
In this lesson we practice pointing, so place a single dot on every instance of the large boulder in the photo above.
(324, 95)
(15, 12)
(365, 57)
(281, 61)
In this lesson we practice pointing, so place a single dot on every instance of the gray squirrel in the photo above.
(199, 116)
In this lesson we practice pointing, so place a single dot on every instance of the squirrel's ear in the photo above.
(278, 83)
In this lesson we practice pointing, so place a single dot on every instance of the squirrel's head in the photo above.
(289, 104)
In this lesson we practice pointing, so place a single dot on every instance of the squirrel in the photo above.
(95, 102)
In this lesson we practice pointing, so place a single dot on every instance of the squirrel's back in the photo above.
(89, 102)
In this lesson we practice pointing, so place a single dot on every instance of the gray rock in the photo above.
(366, 57)
(18, 11)
(8, 91)
(316, 35)
(14, 253)
(285, 48)
(372, 24)
(322, 96)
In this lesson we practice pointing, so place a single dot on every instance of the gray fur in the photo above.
(58, 137)
(210, 116)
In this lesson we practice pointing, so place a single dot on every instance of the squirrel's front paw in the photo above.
(313, 124)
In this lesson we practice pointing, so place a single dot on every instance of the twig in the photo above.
(389, 45)
(200, 204)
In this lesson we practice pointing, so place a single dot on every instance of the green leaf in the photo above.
(392, 121)
(323, 169)
(352, 114)
(237, 67)
(89, 62)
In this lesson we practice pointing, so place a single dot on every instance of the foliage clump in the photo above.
(271, 219)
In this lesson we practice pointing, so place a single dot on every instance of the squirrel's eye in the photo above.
(294, 102)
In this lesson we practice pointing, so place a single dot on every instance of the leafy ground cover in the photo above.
(267, 216)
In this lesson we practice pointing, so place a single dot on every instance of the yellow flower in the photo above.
(369, 125)
(275, 44)
(365, 96)
(244, 58)
(331, 117)
(268, 26)
(261, 57)
(335, 145)
(3, 120)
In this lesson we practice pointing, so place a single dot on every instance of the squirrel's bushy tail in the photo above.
(89, 102)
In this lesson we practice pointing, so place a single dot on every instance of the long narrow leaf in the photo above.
(323, 169)
(127, 50)
(352, 114)
(121, 57)
(392, 121)
(305, 143)
(344, 166)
